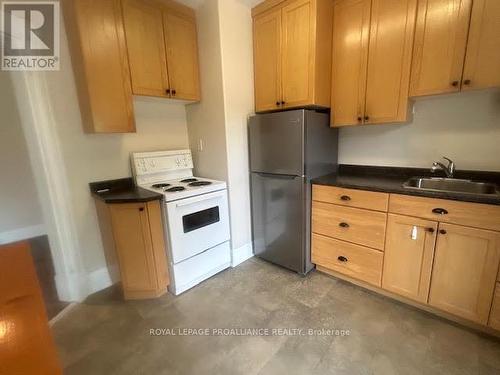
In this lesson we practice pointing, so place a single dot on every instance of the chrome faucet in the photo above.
(448, 170)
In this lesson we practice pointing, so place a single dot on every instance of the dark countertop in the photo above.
(122, 190)
(391, 179)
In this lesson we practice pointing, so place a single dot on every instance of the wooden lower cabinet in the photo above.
(139, 243)
(409, 253)
(494, 321)
(26, 343)
(347, 258)
(360, 226)
(351, 198)
(465, 270)
(440, 255)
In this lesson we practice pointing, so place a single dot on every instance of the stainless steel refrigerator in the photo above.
(287, 150)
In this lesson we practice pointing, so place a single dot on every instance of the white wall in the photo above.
(93, 157)
(20, 213)
(206, 122)
(219, 121)
(464, 127)
(237, 70)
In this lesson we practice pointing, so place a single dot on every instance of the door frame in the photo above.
(38, 123)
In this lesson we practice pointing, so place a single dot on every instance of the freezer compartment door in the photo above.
(278, 219)
(277, 143)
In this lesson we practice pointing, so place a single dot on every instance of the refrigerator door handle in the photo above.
(281, 176)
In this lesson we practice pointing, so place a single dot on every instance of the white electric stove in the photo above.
(196, 217)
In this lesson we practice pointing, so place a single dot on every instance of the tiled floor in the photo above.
(108, 336)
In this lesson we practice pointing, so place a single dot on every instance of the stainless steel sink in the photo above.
(451, 185)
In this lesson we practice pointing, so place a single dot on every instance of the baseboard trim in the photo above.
(22, 234)
(100, 279)
(62, 313)
(80, 286)
(241, 254)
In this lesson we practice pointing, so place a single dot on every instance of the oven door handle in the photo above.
(203, 198)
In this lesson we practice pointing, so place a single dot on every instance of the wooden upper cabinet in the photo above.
(146, 48)
(267, 60)
(351, 24)
(409, 252)
(482, 62)
(162, 48)
(292, 53)
(182, 55)
(99, 56)
(440, 45)
(372, 51)
(389, 62)
(297, 53)
(464, 273)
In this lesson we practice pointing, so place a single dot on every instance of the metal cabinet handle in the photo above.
(442, 231)
(345, 198)
(455, 83)
(278, 103)
(167, 91)
(141, 209)
(174, 92)
(467, 82)
(344, 225)
(430, 230)
(360, 119)
(367, 118)
(342, 259)
(440, 211)
(282, 102)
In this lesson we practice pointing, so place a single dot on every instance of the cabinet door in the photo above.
(389, 62)
(482, 63)
(182, 56)
(409, 252)
(298, 53)
(146, 48)
(464, 273)
(440, 43)
(101, 65)
(267, 60)
(351, 21)
(134, 246)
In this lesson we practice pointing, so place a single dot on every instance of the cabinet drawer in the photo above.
(352, 260)
(494, 321)
(351, 197)
(362, 227)
(469, 214)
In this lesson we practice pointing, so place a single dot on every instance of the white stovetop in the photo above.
(190, 191)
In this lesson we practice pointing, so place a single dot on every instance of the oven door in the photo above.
(197, 224)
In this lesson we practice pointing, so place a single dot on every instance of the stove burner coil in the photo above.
(200, 183)
(174, 189)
